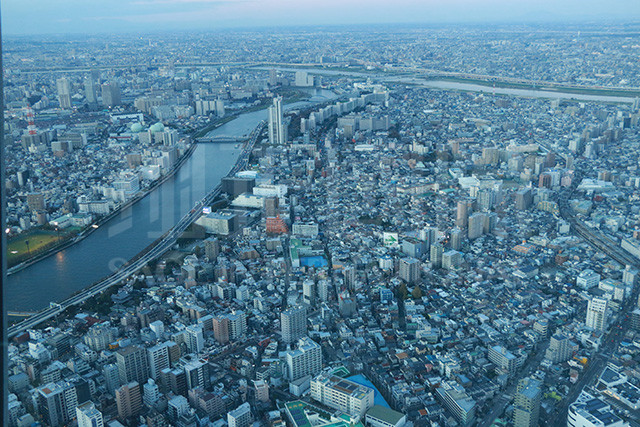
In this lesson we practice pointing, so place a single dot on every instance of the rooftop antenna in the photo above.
(31, 125)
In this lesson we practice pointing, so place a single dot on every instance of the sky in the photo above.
(24, 17)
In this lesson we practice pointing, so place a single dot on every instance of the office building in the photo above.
(277, 127)
(504, 360)
(309, 292)
(597, 314)
(129, 400)
(150, 393)
(342, 394)
(305, 360)
(409, 270)
(457, 401)
(587, 279)
(90, 94)
(177, 407)
(462, 213)
(237, 324)
(476, 225)
(240, 417)
(57, 403)
(111, 94)
(64, 92)
(111, 377)
(197, 374)
(451, 259)
(194, 338)
(158, 359)
(221, 329)
(524, 199)
(132, 364)
(436, 252)
(456, 239)
(88, 416)
(293, 324)
(211, 248)
(527, 403)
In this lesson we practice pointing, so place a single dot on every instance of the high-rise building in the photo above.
(194, 338)
(293, 324)
(409, 270)
(240, 417)
(221, 329)
(504, 360)
(111, 377)
(176, 408)
(237, 324)
(524, 199)
(476, 225)
(456, 239)
(57, 403)
(90, 90)
(435, 255)
(132, 364)
(462, 213)
(277, 128)
(342, 394)
(527, 403)
(597, 314)
(64, 92)
(559, 349)
(129, 400)
(111, 94)
(457, 401)
(211, 248)
(89, 416)
(158, 359)
(150, 393)
(309, 292)
(305, 360)
(197, 374)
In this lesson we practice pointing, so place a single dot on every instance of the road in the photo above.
(501, 403)
(157, 249)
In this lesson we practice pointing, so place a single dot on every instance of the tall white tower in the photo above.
(277, 129)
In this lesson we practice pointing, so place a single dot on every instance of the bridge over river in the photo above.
(221, 139)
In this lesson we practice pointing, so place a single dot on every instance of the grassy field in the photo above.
(37, 240)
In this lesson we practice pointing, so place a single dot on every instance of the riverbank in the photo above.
(102, 220)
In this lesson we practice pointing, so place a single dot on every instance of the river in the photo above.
(107, 248)
(461, 86)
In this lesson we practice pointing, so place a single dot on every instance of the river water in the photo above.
(107, 248)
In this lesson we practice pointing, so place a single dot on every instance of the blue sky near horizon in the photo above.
(23, 17)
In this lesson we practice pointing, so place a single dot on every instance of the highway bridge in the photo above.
(220, 139)
(161, 246)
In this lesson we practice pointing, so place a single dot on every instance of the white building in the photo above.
(342, 394)
(240, 417)
(587, 279)
(306, 360)
(597, 314)
(277, 128)
(89, 416)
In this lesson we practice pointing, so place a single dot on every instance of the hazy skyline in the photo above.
(90, 16)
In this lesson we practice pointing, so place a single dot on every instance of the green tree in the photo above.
(417, 292)
(402, 291)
